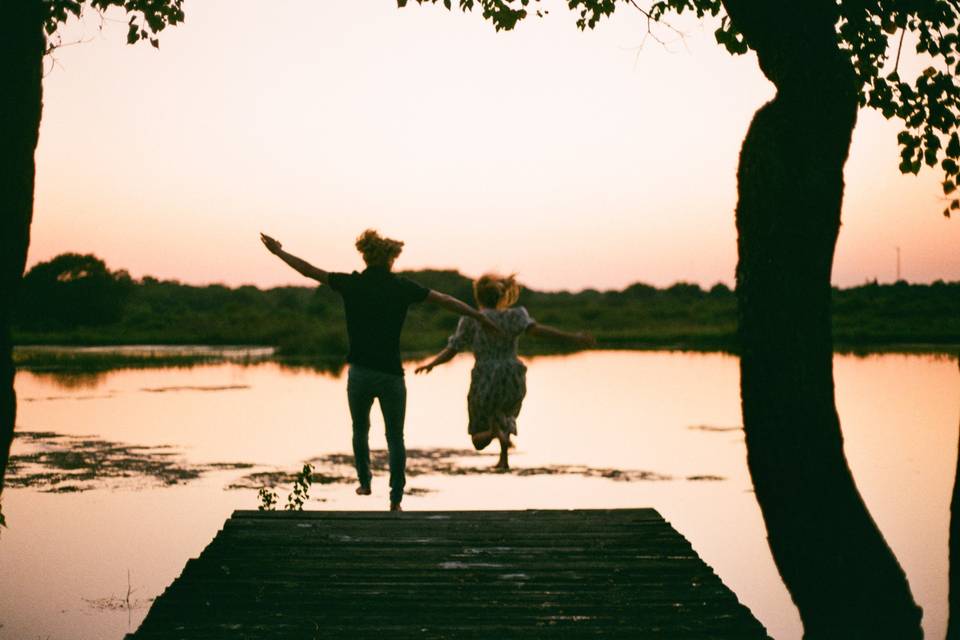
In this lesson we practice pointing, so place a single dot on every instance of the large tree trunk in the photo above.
(22, 46)
(840, 572)
(953, 626)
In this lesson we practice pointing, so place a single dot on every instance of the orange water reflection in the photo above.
(674, 414)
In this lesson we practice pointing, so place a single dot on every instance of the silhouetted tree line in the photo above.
(77, 299)
(72, 290)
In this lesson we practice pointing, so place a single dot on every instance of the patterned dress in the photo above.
(498, 382)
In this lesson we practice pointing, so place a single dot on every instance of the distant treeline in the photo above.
(75, 300)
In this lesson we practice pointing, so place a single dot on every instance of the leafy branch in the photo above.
(147, 18)
(929, 104)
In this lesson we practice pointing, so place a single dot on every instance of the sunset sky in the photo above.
(574, 159)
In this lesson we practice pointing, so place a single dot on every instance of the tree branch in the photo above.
(681, 36)
(896, 65)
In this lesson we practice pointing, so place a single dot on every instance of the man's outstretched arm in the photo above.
(300, 265)
(452, 304)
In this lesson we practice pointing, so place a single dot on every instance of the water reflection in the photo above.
(711, 429)
(72, 368)
(196, 387)
(671, 415)
(69, 380)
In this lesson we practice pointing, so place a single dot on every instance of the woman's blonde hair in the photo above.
(378, 251)
(495, 291)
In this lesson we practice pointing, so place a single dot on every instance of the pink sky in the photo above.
(574, 159)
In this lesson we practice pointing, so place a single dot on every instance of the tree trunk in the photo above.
(953, 626)
(840, 572)
(22, 46)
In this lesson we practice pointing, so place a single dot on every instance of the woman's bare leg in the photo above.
(504, 437)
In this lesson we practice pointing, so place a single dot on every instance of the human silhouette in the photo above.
(498, 382)
(376, 302)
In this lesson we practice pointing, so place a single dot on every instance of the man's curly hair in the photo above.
(378, 251)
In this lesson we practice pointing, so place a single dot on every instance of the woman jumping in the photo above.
(498, 381)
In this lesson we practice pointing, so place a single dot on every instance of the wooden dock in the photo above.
(623, 573)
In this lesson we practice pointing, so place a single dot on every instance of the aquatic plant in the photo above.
(60, 463)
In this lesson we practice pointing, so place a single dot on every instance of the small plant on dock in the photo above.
(301, 488)
(268, 499)
(296, 498)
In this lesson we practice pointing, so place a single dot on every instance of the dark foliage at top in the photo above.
(146, 18)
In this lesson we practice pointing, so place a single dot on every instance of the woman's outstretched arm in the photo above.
(299, 265)
(444, 356)
(581, 338)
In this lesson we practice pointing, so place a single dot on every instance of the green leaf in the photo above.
(953, 147)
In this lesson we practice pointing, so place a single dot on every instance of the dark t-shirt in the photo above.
(376, 304)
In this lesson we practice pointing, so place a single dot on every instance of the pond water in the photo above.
(122, 476)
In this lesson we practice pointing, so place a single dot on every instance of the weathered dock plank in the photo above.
(622, 573)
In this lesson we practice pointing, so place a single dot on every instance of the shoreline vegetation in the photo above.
(76, 301)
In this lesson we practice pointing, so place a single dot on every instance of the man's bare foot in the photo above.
(363, 491)
(395, 506)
